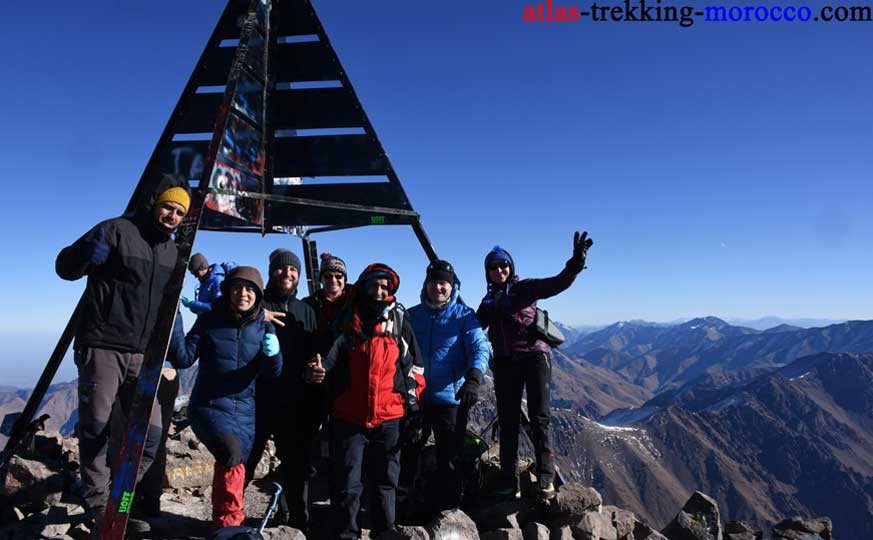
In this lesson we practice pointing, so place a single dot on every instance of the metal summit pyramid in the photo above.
(316, 128)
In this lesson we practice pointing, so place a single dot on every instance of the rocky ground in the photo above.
(39, 502)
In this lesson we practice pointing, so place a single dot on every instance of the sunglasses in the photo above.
(337, 277)
(498, 264)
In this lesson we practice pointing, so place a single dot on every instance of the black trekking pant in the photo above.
(381, 445)
(513, 374)
(107, 379)
(442, 421)
(295, 428)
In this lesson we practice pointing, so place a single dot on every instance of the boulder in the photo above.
(11, 515)
(595, 526)
(80, 532)
(452, 525)
(740, 530)
(405, 533)
(571, 503)
(564, 533)
(189, 463)
(797, 528)
(535, 531)
(503, 515)
(503, 534)
(622, 520)
(70, 453)
(283, 532)
(21, 531)
(644, 532)
(47, 445)
(698, 520)
(34, 484)
(52, 530)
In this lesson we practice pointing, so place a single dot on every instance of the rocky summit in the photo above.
(39, 501)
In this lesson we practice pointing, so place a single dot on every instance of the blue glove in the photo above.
(270, 345)
(97, 248)
(187, 301)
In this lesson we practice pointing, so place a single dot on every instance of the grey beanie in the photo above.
(284, 257)
(198, 262)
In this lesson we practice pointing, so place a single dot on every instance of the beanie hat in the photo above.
(176, 195)
(284, 257)
(198, 262)
(329, 263)
(379, 271)
(499, 254)
(440, 270)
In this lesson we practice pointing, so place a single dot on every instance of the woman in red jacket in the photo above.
(378, 378)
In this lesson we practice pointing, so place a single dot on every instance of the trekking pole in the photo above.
(272, 509)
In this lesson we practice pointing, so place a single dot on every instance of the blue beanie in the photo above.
(499, 254)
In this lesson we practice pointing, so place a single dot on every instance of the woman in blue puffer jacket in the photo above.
(456, 353)
(235, 346)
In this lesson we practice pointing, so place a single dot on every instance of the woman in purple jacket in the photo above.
(521, 358)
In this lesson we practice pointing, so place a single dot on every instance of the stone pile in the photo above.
(38, 501)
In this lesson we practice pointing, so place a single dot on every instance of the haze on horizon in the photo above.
(720, 169)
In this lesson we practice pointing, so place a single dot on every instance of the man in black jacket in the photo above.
(128, 261)
(283, 406)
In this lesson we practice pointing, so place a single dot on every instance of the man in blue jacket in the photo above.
(210, 277)
(456, 352)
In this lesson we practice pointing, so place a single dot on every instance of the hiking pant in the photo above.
(442, 421)
(228, 484)
(382, 447)
(107, 378)
(512, 374)
(296, 434)
(152, 484)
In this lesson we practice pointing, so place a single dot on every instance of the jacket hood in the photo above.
(245, 273)
(497, 253)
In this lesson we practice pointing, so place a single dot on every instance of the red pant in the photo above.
(227, 496)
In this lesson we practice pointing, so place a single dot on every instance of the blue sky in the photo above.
(721, 169)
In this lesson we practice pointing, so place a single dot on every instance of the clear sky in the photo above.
(721, 169)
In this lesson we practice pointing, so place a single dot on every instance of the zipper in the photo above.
(151, 292)
(430, 346)
(238, 356)
(370, 415)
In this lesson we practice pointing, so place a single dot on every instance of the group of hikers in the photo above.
(348, 364)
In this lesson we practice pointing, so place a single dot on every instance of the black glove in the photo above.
(581, 243)
(468, 394)
(410, 429)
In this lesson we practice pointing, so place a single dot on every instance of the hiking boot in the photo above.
(94, 520)
(149, 507)
(137, 528)
(546, 490)
(507, 493)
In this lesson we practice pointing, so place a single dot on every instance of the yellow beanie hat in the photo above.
(177, 195)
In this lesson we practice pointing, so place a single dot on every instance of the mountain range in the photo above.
(770, 422)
